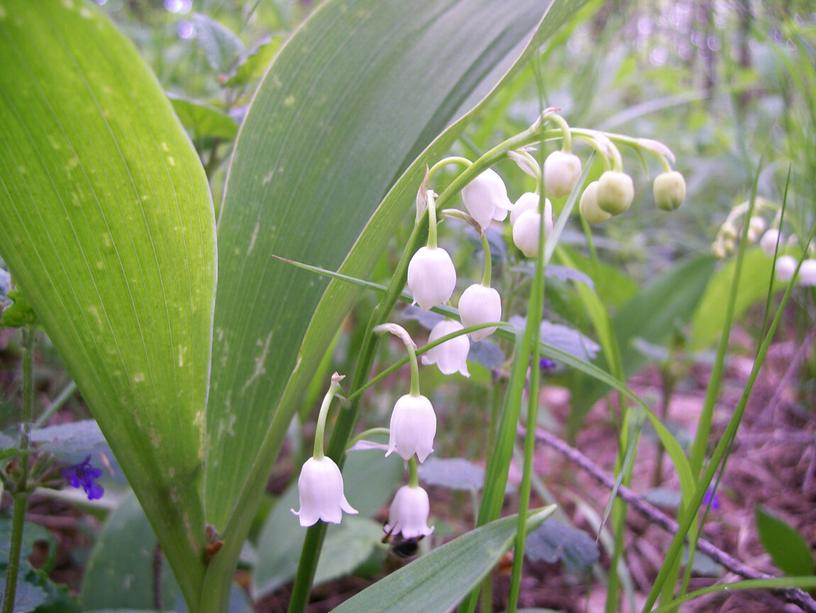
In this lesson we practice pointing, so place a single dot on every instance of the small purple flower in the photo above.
(712, 499)
(84, 475)
(547, 365)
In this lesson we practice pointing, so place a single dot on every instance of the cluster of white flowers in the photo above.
(771, 240)
(431, 279)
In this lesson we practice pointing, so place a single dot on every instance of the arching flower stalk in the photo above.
(413, 421)
(320, 485)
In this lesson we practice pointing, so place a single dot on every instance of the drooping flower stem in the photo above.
(446, 161)
(402, 334)
(487, 271)
(21, 488)
(413, 472)
(324, 411)
(431, 222)
(566, 145)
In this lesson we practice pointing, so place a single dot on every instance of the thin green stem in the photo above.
(688, 518)
(365, 434)
(321, 416)
(461, 161)
(431, 222)
(21, 487)
(413, 472)
(412, 358)
(64, 396)
(424, 349)
(487, 271)
(566, 146)
(534, 314)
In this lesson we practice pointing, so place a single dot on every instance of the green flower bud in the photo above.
(669, 190)
(615, 192)
(589, 205)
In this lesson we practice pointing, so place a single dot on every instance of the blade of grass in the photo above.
(724, 443)
(750, 584)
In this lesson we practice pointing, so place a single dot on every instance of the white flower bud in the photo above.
(769, 240)
(669, 189)
(807, 273)
(755, 228)
(485, 198)
(412, 428)
(409, 512)
(528, 201)
(320, 486)
(525, 229)
(450, 356)
(785, 267)
(480, 305)
(431, 277)
(589, 205)
(615, 192)
(561, 173)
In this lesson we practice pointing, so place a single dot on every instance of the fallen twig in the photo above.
(796, 596)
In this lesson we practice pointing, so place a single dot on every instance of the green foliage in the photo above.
(788, 548)
(709, 317)
(108, 229)
(124, 564)
(446, 574)
(203, 121)
(19, 313)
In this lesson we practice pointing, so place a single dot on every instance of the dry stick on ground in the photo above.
(796, 596)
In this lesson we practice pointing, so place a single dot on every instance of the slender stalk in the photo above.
(58, 402)
(321, 416)
(431, 222)
(22, 487)
(413, 472)
(534, 313)
(724, 443)
(487, 271)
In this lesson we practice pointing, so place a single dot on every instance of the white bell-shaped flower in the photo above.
(528, 201)
(450, 356)
(525, 229)
(485, 198)
(807, 273)
(769, 240)
(412, 428)
(431, 277)
(561, 173)
(320, 486)
(479, 305)
(785, 267)
(756, 226)
(589, 205)
(409, 512)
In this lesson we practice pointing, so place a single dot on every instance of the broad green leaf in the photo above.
(322, 144)
(203, 121)
(370, 481)
(789, 550)
(709, 318)
(437, 581)
(121, 572)
(347, 548)
(108, 228)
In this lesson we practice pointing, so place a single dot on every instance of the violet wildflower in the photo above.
(711, 499)
(547, 365)
(84, 475)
